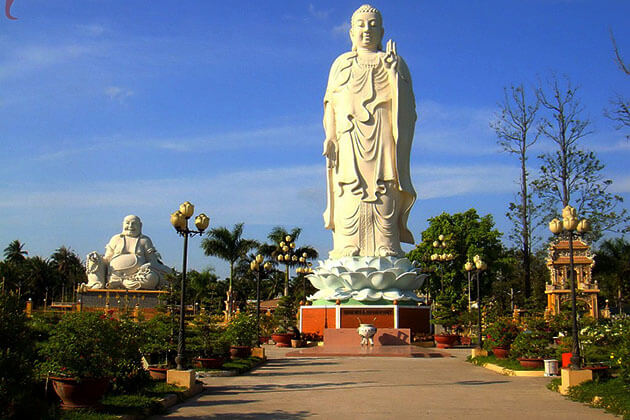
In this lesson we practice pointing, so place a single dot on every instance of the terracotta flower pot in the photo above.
(263, 340)
(445, 341)
(209, 362)
(157, 373)
(500, 352)
(531, 363)
(241, 352)
(84, 394)
(282, 339)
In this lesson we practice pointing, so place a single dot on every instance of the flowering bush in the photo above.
(241, 331)
(620, 355)
(534, 341)
(84, 345)
(501, 333)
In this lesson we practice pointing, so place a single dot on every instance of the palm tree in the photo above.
(15, 252)
(69, 266)
(612, 263)
(228, 245)
(278, 236)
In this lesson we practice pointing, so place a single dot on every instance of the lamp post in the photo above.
(478, 267)
(304, 270)
(569, 224)
(440, 256)
(286, 254)
(179, 220)
(258, 267)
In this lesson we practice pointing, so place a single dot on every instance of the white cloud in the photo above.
(449, 181)
(25, 59)
(91, 29)
(318, 14)
(341, 29)
(454, 129)
(117, 93)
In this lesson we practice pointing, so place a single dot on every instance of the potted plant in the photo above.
(532, 345)
(158, 344)
(209, 343)
(81, 357)
(500, 335)
(446, 313)
(241, 333)
(284, 318)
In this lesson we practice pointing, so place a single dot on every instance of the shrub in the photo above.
(83, 345)
(284, 315)
(447, 309)
(159, 338)
(208, 337)
(17, 356)
(534, 341)
(241, 330)
(501, 333)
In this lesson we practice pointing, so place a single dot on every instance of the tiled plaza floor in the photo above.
(378, 388)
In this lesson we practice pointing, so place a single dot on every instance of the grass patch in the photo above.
(613, 395)
(504, 363)
(143, 403)
(242, 365)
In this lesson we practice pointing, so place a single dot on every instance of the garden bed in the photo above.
(150, 400)
(613, 395)
(232, 367)
(508, 367)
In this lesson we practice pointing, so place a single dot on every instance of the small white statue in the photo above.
(130, 261)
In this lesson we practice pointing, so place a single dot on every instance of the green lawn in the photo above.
(613, 395)
(506, 363)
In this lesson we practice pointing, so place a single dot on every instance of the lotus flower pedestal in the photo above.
(358, 290)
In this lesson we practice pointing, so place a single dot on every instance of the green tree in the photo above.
(69, 267)
(513, 126)
(15, 252)
(571, 175)
(229, 245)
(279, 235)
(467, 234)
(612, 269)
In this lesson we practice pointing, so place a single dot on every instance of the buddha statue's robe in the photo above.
(369, 111)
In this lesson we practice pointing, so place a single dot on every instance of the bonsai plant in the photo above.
(241, 333)
(500, 335)
(446, 313)
(284, 318)
(158, 344)
(209, 342)
(81, 357)
(532, 345)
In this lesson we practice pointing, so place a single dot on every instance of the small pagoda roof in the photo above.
(564, 244)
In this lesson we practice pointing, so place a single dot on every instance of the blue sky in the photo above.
(112, 107)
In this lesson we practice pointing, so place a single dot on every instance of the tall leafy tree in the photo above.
(570, 174)
(467, 234)
(277, 236)
(69, 266)
(228, 245)
(515, 126)
(620, 113)
(15, 252)
(612, 269)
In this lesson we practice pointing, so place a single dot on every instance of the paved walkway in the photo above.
(378, 388)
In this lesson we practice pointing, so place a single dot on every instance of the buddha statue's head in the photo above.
(132, 226)
(366, 29)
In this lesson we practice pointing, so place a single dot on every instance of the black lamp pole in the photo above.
(576, 358)
(479, 308)
(179, 220)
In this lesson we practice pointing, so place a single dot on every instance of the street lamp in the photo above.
(258, 267)
(441, 256)
(286, 254)
(569, 224)
(179, 220)
(304, 270)
(478, 266)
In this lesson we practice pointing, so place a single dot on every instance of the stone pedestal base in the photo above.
(573, 377)
(383, 337)
(477, 352)
(183, 378)
(316, 319)
(258, 352)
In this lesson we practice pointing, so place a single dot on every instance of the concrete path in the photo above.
(378, 388)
